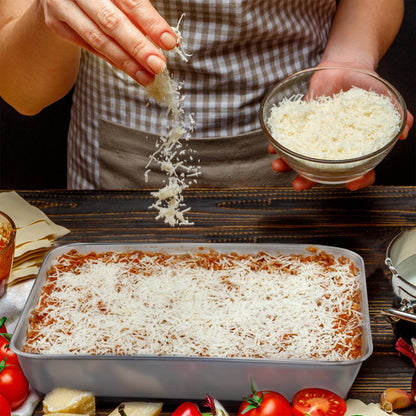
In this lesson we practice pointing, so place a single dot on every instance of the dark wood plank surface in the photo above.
(364, 221)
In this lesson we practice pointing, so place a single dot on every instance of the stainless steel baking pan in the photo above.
(186, 377)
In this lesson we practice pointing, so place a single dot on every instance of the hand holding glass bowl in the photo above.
(7, 245)
(328, 82)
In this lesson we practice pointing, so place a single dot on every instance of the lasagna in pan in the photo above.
(199, 304)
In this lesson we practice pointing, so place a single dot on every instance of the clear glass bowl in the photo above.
(7, 246)
(331, 80)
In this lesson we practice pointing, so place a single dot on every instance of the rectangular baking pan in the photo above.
(186, 377)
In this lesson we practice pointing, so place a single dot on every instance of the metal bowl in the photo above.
(401, 261)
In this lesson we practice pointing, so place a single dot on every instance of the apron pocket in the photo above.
(232, 161)
(123, 155)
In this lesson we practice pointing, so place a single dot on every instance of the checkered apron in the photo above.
(239, 49)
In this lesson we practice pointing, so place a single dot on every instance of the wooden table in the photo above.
(364, 221)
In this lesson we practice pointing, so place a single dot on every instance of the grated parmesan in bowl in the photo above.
(331, 124)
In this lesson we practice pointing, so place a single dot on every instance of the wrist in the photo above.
(360, 60)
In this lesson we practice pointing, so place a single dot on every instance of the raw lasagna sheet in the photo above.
(204, 303)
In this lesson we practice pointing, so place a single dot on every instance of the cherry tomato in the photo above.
(13, 384)
(265, 403)
(187, 409)
(3, 325)
(5, 351)
(318, 402)
(4, 407)
(191, 409)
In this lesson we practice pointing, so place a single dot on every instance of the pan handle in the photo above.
(398, 314)
(389, 264)
(399, 283)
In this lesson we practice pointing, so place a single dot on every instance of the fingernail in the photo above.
(143, 78)
(168, 40)
(156, 63)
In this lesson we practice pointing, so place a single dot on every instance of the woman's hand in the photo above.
(360, 34)
(126, 33)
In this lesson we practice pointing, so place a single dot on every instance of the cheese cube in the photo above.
(64, 400)
(64, 414)
(139, 409)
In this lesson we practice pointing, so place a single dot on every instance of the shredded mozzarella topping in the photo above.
(171, 156)
(201, 304)
(347, 125)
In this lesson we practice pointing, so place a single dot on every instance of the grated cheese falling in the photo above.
(348, 125)
(202, 304)
(169, 155)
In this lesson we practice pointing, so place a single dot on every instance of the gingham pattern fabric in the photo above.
(239, 49)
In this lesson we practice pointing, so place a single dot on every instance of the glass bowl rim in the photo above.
(292, 153)
(14, 230)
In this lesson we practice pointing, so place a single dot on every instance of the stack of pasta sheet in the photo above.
(35, 235)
